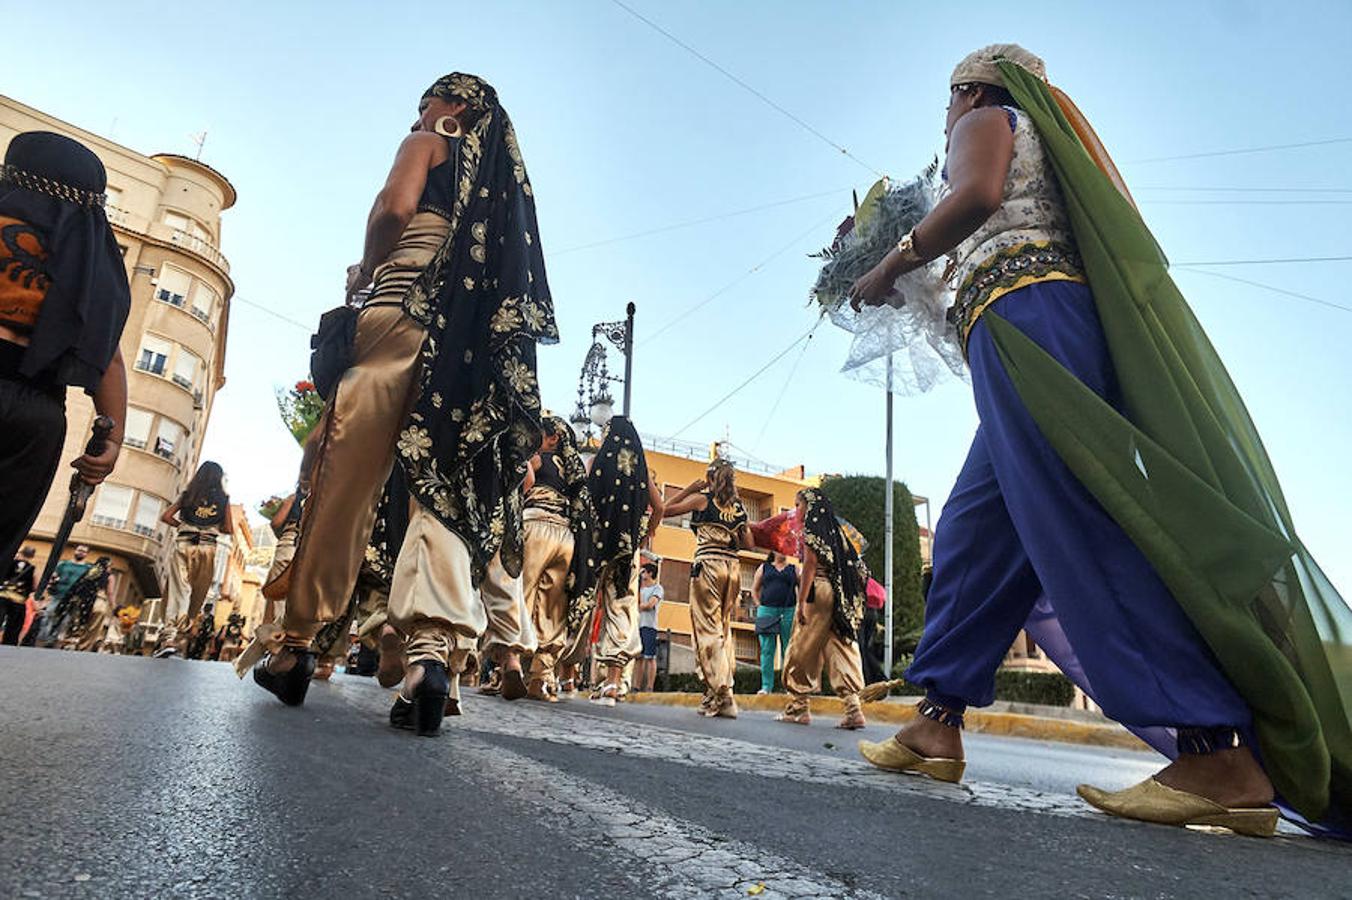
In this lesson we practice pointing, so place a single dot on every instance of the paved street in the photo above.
(133, 777)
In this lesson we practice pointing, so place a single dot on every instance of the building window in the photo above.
(154, 356)
(148, 510)
(172, 286)
(188, 226)
(137, 431)
(112, 506)
(114, 196)
(203, 302)
(186, 369)
(169, 439)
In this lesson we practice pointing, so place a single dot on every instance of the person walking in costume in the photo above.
(559, 528)
(1117, 501)
(201, 515)
(442, 378)
(719, 521)
(64, 300)
(830, 605)
(626, 501)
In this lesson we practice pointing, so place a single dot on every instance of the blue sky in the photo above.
(623, 131)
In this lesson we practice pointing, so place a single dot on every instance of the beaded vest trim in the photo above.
(44, 185)
(1008, 270)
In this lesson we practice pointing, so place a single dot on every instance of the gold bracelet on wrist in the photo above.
(906, 248)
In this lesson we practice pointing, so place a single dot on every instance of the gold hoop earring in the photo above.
(439, 126)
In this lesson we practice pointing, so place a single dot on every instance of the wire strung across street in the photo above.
(752, 377)
(774, 408)
(743, 85)
(1241, 150)
(1270, 287)
(738, 280)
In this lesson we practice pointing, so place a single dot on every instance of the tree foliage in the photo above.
(861, 500)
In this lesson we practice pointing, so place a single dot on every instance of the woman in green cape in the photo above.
(1117, 501)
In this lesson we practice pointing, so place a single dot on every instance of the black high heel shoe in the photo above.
(423, 714)
(290, 686)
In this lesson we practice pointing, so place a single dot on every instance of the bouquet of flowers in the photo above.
(300, 408)
(912, 325)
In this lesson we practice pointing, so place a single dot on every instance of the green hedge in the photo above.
(1045, 688)
(861, 499)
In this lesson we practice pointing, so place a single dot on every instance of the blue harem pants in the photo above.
(1020, 524)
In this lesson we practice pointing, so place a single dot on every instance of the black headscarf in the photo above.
(619, 490)
(56, 186)
(843, 567)
(581, 514)
(485, 304)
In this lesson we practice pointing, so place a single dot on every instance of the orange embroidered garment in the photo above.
(23, 274)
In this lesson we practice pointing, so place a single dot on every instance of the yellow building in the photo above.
(166, 215)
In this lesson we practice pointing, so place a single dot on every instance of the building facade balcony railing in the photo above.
(195, 244)
(108, 521)
(192, 243)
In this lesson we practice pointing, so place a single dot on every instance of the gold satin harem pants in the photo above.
(816, 645)
(713, 598)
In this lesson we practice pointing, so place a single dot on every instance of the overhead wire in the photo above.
(1269, 287)
(774, 408)
(752, 377)
(1237, 151)
(744, 86)
(276, 315)
(680, 317)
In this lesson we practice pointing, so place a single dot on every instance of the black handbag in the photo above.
(332, 348)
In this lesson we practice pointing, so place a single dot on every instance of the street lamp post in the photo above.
(595, 405)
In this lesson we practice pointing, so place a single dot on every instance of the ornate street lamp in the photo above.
(595, 405)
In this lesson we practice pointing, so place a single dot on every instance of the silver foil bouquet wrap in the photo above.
(912, 325)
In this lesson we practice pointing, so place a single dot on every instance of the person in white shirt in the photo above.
(649, 599)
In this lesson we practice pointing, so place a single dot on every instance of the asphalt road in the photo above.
(132, 777)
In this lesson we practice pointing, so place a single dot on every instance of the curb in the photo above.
(899, 710)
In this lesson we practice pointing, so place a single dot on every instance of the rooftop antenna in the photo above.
(199, 138)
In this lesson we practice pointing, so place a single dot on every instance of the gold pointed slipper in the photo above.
(892, 755)
(1151, 801)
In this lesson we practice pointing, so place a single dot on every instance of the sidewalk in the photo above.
(1024, 720)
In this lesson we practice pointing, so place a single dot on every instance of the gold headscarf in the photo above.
(979, 67)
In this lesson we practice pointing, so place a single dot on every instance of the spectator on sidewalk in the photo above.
(775, 590)
(875, 601)
(650, 597)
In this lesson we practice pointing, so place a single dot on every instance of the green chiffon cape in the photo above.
(1182, 469)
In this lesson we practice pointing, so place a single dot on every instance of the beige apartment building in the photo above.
(166, 213)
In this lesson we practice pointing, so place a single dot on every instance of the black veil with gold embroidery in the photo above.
(484, 301)
(619, 491)
(837, 560)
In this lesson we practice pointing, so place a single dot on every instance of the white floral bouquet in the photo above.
(911, 328)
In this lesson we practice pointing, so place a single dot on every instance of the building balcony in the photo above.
(198, 246)
(190, 243)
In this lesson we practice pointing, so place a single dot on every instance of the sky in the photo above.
(625, 132)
